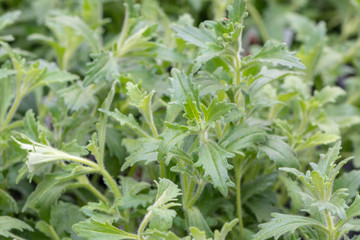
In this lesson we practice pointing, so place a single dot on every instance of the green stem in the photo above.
(53, 233)
(112, 183)
(237, 63)
(162, 168)
(259, 21)
(93, 189)
(197, 194)
(143, 224)
(13, 125)
(83, 161)
(13, 109)
(238, 176)
(331, 229)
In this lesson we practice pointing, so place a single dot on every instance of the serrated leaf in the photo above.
(102, 68)
(227, 227)
(198, 36)
(328, 94)
(191, 110)
(77, 97)
(182, 86)
(128, 121)
(237, 11)
(276, 53)
(242, 137)
(52, 185)
(216, 110)
(146, 151)
(279, 152)
(197, 234)
(80, 28)
(266, 76)
(318, 139)
(212, 158)
(351, 212)
(166, 195)
(349, 180)
(93, 230)
(9, 223)
(131, 196)
(326, 161)
(283, 223)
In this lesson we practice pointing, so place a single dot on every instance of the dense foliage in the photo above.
(143, 120)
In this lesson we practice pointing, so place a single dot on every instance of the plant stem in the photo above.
(92, 189)
(143, 224)
(197, 194)
(13, 109)
(238, 176)
(53, 233)
(112, 183)
(330, 228)
(162, 168)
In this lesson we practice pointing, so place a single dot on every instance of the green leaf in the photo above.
(212, 158)
(8, 18)
(9, 223)
(131, 196)
(63, 216)
(276, 53)
(216, 110)
(349, 180)
(166, 195)
(47, 229)
(39, 154)
(191, 110)
(279, 152)
(145, 150)
(328, 94)
(242, 137)
(93, 230)
(351, 212)
(196, 220)
(283, 223)
(326, 161)
(6, 91)
(128, 121)
(227, 227)
(197, 234)
(200, 37)
(52, 186)
(102, 68)
(9, 200)
(182, 86)
(318, 139)
(237, 11)
(259, 185)
(77, 97)
(31, 126)
(266, 76)
(80, 28)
